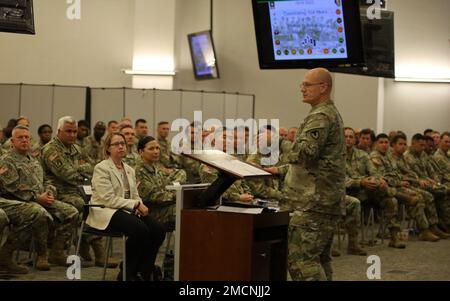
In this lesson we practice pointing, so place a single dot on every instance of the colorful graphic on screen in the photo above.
(308, 29)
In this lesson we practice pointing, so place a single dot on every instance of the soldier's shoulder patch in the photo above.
(315, 134)
(376, 160)
(52, 157)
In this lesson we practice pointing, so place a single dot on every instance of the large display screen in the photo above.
(308, 33)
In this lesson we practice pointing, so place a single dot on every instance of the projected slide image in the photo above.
(308, 29)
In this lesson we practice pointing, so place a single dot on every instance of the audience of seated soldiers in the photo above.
(382, 172)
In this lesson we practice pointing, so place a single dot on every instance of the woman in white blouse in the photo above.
(114, 186)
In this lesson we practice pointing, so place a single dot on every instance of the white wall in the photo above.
(277, 91)
(422, 31)
(91, 51)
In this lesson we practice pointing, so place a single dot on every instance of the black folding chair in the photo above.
(86, 193)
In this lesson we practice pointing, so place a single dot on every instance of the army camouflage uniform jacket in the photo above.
(152, 189)
(65, 166)
(317, 172)
(22, 177)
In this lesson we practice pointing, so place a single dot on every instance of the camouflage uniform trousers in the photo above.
(430, 206)
(352, 219)
(310, 239)
(65, 219)
(4, 227)
(27, 220)
(442, 201)
(382, 199)
(415, 206)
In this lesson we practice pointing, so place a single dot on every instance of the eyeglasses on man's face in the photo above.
(117, 144)
(307, 85)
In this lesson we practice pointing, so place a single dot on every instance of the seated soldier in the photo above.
(4, 224)
(23, 180)
(366, 140)
(267, 188)
(93, 144)
(442, 159)
(132, 157)
(362, 180)
(152, 189)
(45, 132)
(27, 220)
(238, 191)
(380, 161)
(426, 217)
(428, 179)
(192, 141)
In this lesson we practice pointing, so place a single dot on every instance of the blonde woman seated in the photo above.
(114, 185)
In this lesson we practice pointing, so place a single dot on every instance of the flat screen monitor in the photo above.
(17, 16)
(378, 45)
(203, 55)
(308, 33)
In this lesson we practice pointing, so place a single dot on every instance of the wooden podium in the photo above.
(212, 245)
(233, 246)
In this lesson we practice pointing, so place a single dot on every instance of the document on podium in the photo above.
(240, 210)
(228, 164)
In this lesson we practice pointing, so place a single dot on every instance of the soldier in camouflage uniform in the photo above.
(83, 132)
(167, 162)
(153, 182)
(268, 188)
(428, 221)
(315, 181)
(35, 149)
(442, 159)
(132, 158)
(4, 222)
(45, 132)
(239, 191)
(67, 168)
(23, 180)
(166, 157)
(152, 190)
(93, 144)
(428, 180)
(26, 220)
(190, 166)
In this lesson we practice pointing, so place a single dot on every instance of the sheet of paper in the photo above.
(240, 210)
(239, 167)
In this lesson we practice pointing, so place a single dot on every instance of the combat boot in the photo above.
(436, 231)
(427, 235)
(353, 247)
(394, 242)
(58, 255)
(100, 256)
(7, 264)
(42, 258)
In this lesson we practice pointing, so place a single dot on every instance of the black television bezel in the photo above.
(353, 37)
(367, 70)
(23, 27)
(194, 66)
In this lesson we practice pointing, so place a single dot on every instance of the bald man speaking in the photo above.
(315, 181)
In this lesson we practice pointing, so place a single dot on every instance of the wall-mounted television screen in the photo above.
(378, 45)
(203, 55)
(17, 16)
(308, 33)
